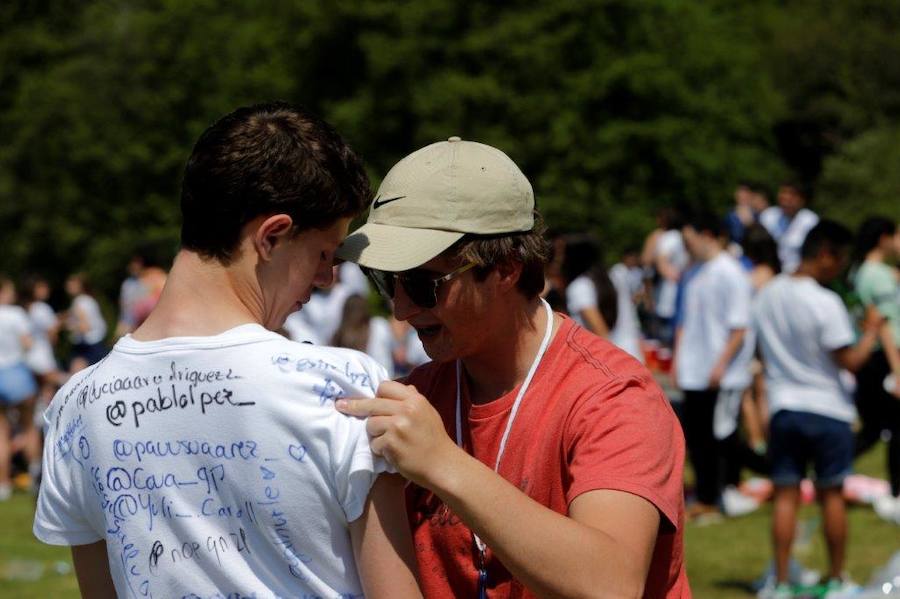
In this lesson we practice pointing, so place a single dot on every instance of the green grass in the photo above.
(722, 559)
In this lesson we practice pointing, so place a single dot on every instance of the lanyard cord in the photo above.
(515, 408)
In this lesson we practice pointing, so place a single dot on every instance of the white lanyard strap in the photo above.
(515, 408)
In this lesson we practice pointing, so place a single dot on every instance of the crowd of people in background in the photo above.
(771, 370)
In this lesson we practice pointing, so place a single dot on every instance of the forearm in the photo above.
(552, 555)
(890, 348)
(856, 356)
(732, 347)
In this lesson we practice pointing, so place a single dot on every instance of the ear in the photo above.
(508, 273)
(271, 231)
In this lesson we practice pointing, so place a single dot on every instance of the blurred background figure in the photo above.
(591, 299)
(712, 367)
(85, 323)
(665, 254)
(878, 381)
(362, 331)
(789, 222)
(761, 253)
(18, 388)
(130, 292)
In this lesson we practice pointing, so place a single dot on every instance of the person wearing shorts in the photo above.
(17, 385)
(805, 337)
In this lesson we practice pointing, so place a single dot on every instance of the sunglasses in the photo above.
(421, 289)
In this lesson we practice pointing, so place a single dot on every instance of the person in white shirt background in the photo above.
(711, 361)
(789, 222)
(665, 255)
(17, 385)
(598, 300)
(359, 329)
(805, 337)
(85, 323)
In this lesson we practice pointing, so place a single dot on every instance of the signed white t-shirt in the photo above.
(213, 466)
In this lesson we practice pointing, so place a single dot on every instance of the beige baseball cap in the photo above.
(433, 197)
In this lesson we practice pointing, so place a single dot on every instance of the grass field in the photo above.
(723, 559)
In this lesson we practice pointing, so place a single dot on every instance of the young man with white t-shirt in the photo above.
(203, 456)
(711, 361)
(805, 337)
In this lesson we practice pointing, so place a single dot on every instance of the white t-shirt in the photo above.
(798, 324)
(789, 234)
(299, 330)
(40, 357)
(322, 313)
(381, 343)
(716, 302)
(213, 465)
(97, 326)
(627, 332)
(581, 294)
(670, 245)
(13, 326)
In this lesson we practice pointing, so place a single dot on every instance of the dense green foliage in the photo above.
(612, 107)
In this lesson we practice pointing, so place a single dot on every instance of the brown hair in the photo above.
(531, 248)
(353, 331)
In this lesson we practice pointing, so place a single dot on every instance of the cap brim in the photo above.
(386, 247)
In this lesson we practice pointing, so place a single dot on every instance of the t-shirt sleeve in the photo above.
(581, 295)
(835, 328)
(738, 296)
(881, 292)
(625, 437)
(59, 517)
(354, 466)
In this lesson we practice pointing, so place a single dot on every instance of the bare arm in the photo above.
(607, 540)
(382, 542)
(594, 321)
(92, 570)
(853, 357)
(732, 347)
(889, 345)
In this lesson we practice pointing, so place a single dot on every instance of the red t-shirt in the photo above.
(593, 418)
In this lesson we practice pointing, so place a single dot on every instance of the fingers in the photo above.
(395, 390)
(365, 407)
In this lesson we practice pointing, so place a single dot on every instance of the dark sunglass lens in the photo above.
(421, 290)
(383, 281)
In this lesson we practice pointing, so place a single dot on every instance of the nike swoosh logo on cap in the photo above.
(379, 203)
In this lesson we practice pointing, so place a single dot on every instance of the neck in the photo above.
(808, 269)
(875, 255)
(503, 365)
(200, 298)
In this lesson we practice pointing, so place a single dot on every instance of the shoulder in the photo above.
(340, 365)
(589, 365)
(807, 217)
(580, 287)
(424, 377)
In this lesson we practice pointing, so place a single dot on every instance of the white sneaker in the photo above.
(887, 508)
(773, 591)
(841, 589)
(735, 503)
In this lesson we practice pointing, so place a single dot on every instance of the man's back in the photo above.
(213, 464)
(799, 323)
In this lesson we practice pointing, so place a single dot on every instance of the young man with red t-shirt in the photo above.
(545, 460)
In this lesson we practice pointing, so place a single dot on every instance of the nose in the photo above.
(404, 308)
(324, 276)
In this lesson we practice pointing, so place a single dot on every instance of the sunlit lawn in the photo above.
(723, 559)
